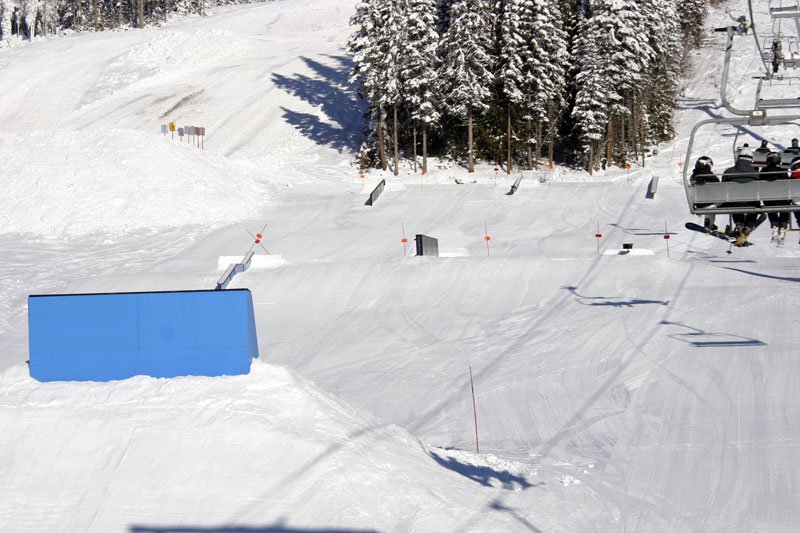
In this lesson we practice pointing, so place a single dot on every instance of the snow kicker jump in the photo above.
(104, 337)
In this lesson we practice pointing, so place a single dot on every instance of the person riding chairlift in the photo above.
(742, 172)
(702, 174)
(779, 222)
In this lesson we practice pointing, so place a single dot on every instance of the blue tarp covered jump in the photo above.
(103, 337)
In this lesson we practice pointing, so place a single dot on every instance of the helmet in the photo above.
(794, 142)
(773, 158)
(704, 163)
(745, 153)
(763, 144)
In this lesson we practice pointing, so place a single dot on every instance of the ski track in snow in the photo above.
(614, 392)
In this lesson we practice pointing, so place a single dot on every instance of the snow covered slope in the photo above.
(614, 392)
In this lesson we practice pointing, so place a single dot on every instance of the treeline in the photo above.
(592, 82)
(26, 19)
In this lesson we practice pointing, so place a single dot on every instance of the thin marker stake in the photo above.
(486, 237)
(598, 235)
(404, 240)
(666, 237)
(474, 411)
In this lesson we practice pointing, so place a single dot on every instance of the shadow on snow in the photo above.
(484, 474)
(339, 123)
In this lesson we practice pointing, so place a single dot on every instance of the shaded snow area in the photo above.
(653, 390)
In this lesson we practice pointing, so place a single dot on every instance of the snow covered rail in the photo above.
(714, 197)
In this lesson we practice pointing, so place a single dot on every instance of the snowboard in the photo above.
(724, 235)
(718, 234)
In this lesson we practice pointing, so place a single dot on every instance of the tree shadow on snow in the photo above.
(339, 121)
(484, 474)
(611, 301)
(278, 527)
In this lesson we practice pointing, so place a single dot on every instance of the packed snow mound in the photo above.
(167, 54)
(66, 182)
(261, 448)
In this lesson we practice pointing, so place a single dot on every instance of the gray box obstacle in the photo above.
(427, 245)
(652, 188)
(376, 192)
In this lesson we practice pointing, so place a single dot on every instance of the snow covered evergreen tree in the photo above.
(692, 16)
(419, 60)
(465, 73)
(547, 65)
(510, 76)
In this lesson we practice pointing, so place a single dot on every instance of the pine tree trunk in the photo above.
(394, 128)
(551, 133)
(634, 135)
(96, 14)
(510, 162)
(538, 142)
(415, 147)
(141, 13)
(381, 142)
(609, 140)
(424, 149)
(469, 141)
(591, 160)
(530, 148)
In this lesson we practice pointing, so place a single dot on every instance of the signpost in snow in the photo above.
(164, 129)
(180, 133)
(172, 129)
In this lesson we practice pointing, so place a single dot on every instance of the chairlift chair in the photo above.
(758, 196)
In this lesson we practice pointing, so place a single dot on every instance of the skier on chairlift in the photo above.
(742, 172)
(779, 222)
(703, 173)
(794, 148)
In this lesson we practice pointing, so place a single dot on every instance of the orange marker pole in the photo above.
(666, 237)
(474, 411)
(486, 237)
(404, 240)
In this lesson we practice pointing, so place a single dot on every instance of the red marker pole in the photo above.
(666, 237)
(628, 168)
(474, 411)
(598, 236)
(404, 240)
(361, 177)
(486, 237)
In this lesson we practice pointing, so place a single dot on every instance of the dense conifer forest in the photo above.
(520, 82)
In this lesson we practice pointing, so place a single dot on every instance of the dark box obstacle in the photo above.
(103, 337)
(427, 245)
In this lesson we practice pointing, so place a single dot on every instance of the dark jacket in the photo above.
(742, 172)
(773, 172)
(703, 175)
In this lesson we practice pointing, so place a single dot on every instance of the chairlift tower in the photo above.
(715, 198)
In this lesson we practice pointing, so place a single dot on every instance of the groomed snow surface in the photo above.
(646, 391)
